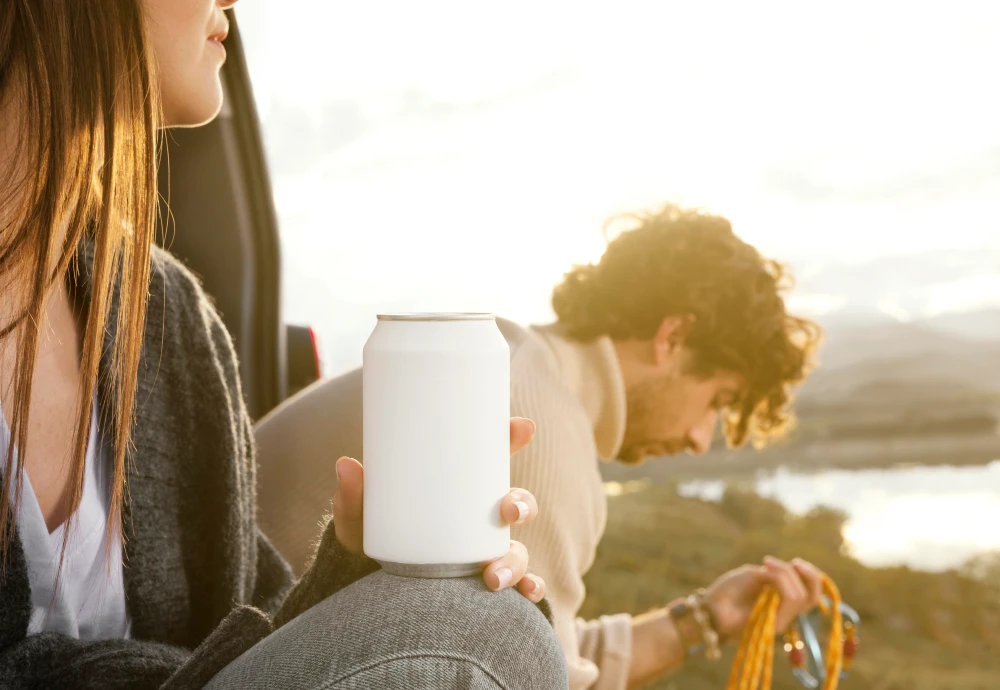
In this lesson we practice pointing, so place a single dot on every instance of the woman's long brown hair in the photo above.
(77, 77)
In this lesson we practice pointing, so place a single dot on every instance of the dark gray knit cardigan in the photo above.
(202, 582)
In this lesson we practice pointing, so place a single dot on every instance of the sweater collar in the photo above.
(592, 372)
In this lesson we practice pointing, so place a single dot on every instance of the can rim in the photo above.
(437, 316)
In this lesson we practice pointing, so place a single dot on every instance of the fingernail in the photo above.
(522, 511)
(503, 577)
(529, 584)
(337, 468)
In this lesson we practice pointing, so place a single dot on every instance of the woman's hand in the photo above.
(799, 585)
(517, 508)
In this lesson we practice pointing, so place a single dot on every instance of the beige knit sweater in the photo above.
(576, 395)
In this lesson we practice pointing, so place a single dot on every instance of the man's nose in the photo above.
(700, 437)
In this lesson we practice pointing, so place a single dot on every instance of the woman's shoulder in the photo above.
(178, 289)
(167, 267)
(178, 300)
(182, 321)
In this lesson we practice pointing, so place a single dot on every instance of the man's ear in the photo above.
(670, 337)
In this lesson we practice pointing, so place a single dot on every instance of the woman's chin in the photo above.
(194, 111)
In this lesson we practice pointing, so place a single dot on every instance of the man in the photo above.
(679, 323)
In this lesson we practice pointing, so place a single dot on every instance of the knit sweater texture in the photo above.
(202, 582)
(575, 393)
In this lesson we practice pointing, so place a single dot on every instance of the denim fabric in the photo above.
(392, 632)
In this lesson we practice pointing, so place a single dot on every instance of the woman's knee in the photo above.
(504, 632)
(411, 628)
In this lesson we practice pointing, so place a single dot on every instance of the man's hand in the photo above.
(799, 585)
(518, 507)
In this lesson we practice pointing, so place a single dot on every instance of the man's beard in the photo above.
(631, 455)
(637, 453)
(641, 405)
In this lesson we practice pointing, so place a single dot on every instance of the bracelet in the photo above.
(680, 614)
(709, 629)
(695, 607)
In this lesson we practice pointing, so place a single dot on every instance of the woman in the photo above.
(124, 435)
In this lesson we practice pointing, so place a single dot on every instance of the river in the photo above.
(931, 518)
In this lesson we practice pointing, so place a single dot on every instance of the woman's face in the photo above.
(186, 37)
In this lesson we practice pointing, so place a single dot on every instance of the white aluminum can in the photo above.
(436, 443)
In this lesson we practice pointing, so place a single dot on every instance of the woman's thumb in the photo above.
(348, 503)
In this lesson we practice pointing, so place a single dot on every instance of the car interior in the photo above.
(217, 216)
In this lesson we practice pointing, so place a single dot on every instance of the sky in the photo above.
(453, 155)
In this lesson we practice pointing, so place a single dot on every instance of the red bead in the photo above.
(797, 657)
(850, 647)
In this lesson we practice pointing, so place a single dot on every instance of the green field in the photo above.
(920, 631)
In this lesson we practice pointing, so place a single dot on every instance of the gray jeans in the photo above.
(391, 632)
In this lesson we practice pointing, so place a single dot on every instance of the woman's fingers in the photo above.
(348, 509)
(521, 431)
(518, 507)
(508, 570)
(532, 588)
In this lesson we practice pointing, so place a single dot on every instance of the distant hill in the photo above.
(976, 371)
(982, 324)
(883, 290)
(978, 324)
(914, 352)
(893, 339)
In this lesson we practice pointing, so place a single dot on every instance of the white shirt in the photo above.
(90, 601)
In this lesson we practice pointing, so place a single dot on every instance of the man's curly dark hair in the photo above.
(685, 262)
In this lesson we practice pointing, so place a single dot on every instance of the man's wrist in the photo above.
(657, 646)
(696, 625)
(687, 628)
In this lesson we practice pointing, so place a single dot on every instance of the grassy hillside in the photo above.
(920, 631)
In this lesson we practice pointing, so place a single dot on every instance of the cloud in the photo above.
(974, 174)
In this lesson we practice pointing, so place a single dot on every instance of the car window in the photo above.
(463, 156)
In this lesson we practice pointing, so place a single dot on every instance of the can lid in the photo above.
(438, 316)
